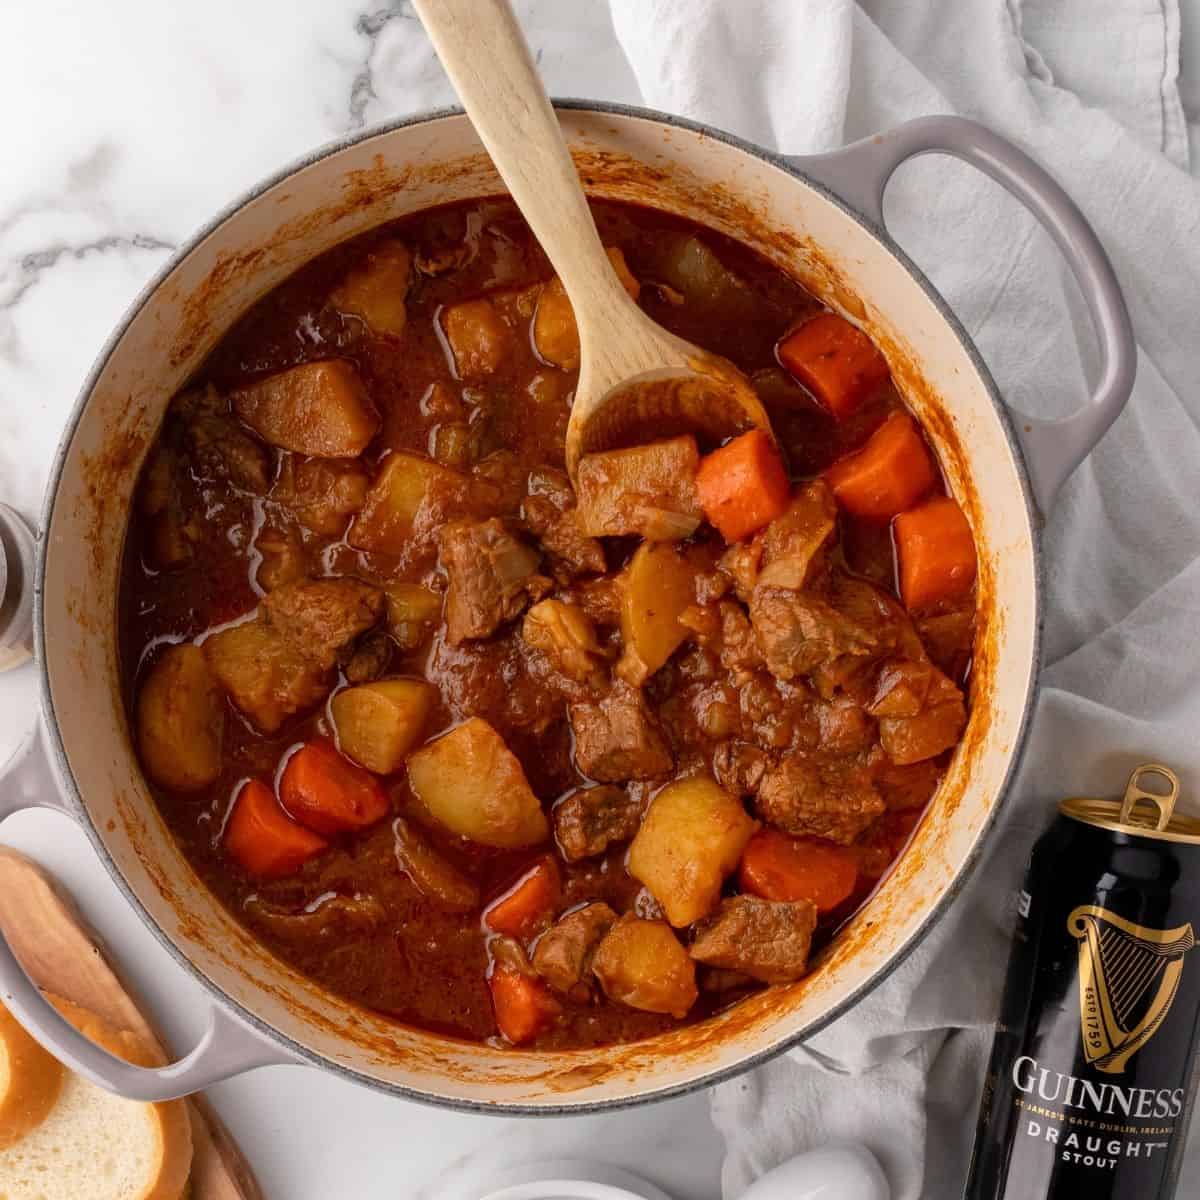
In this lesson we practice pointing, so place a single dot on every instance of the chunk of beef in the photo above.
(266, 676)
(844, 728)
(220, 450)
(172, 530)
(740, 651)
(371, 658)
(712, 586)
(902, 688)
(765, 939)
(878, 611)
(949, 638)
(571, 551)
(320, 616)
(904, 788)
(564, 635)
(828, 797)
(618, 738)
(563, 954)
(703, 622)
(767, 717)
(793, 544)
(319, 408)
(588, 820)
(508, 952)
(600, 599)
(713, 709)
(911, 732)
(444, 258)
(322, 493)
(492, 577)
(281, 556)
(740, 767)
(799, 631)
(880, 844)
(217, 447)
(497, 483)
(739, 564)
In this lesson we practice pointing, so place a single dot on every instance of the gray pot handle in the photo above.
(16, 589)
(859, 173)
(227, 1047)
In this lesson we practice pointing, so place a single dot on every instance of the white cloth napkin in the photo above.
(1089, 88)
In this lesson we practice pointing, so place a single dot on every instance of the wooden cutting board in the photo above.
(62, 955)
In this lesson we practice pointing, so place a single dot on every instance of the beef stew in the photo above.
(506, 758)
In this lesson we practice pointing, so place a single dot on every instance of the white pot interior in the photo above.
(333, 198)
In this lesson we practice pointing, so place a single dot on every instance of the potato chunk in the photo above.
(473, 784)
(180, 718)
(478, 337)
(691, 837)
(320, 408)
(639, 489)
(657, 586)
(642, 964)
(265, 676)
(375, 292)
(563, 633)
(406, 483)
(412, 610)
(377, 724)
(555, 334)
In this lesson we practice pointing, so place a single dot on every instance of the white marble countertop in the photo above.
(127, 125)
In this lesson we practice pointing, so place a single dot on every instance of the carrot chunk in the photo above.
(836, 361)
(529, 904)
(776, 866)
(328, 793)
(263, 838)
(936, 552)
(523, 1004)
(743, 486)
(890, 473)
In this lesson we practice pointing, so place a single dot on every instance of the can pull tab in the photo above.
(1133, 810)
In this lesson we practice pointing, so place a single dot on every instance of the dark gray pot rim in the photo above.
(58, 752)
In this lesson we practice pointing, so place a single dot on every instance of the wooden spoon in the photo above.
(636, 380)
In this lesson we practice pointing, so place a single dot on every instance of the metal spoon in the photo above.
(636, 380)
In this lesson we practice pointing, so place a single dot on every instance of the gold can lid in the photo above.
(1143, 811)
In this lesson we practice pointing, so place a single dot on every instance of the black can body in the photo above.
(1089, 1085)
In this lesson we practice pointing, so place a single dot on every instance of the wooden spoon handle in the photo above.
(487, 59)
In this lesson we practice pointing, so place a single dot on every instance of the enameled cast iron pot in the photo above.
(819, 219)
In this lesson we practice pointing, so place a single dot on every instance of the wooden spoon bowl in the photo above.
(637, 381)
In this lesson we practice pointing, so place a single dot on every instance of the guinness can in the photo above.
(1089, 1085)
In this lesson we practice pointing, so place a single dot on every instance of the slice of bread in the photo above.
(95, 1146)
(30, 1081)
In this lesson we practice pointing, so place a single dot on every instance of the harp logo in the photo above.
(1128, 977)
